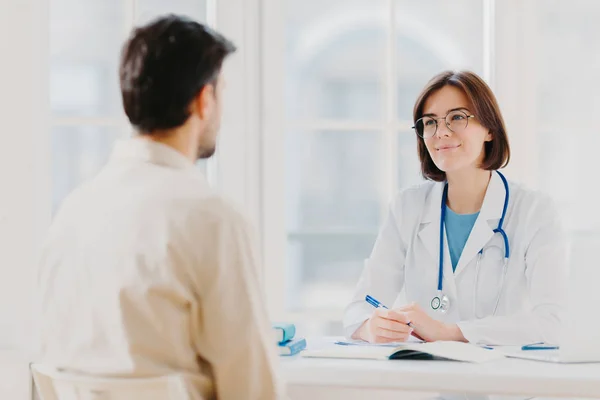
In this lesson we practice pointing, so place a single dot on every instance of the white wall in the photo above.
(514, 83)
(16, 382)
(238, 161)
(24, 180)
(24, 183)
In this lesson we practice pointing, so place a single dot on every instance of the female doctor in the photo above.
(481, 259)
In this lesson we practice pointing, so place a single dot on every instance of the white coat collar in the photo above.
(483, 230)
(144, 150)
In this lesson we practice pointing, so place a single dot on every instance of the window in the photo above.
(352, 70)
(320, 122)
(86, 114)
(567, 105)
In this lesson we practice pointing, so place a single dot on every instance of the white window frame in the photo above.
(273, 157)
(239, 149)
(514, 83)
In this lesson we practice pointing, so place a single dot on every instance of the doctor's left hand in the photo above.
(428, 328)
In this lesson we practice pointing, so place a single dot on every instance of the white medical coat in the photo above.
(406, 256)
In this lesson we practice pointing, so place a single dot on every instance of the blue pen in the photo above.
(374, 302)
(539, 346)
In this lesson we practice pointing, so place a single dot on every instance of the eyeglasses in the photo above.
(456, 121)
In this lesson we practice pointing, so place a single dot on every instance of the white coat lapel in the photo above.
(429, 231)
(449, 281)
(487, 221)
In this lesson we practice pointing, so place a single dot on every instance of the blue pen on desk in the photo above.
(539, 346)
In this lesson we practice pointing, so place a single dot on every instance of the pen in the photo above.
(375, 303)
(539, 346)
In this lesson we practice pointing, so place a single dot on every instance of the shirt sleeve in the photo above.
(234, 333)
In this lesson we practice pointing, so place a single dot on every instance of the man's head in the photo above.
(171, 79)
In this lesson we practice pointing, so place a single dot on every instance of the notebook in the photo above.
(456, 351)
(292, 347)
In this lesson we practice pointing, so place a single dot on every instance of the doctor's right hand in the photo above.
(384, 326)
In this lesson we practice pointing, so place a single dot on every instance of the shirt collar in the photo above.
(149, 151)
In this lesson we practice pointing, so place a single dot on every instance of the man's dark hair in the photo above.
(164, 65)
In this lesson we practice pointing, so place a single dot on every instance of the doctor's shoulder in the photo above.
(533, 206)
(410, 200)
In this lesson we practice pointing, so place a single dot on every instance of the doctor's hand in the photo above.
(384, 326)
(427, 328)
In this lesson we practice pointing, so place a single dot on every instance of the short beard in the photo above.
(204, 152)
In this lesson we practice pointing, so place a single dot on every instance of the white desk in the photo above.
(333, 378)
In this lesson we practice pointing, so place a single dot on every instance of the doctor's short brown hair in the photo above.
(486, 111)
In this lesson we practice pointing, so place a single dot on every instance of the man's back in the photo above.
(147, 272)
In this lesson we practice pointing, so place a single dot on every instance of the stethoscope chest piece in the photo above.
(445, 304)
(441, 304)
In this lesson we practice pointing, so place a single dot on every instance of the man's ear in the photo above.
(204, 101)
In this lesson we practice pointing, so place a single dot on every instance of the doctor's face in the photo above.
(460, 146)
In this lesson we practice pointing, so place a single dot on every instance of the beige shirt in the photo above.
(147, 271)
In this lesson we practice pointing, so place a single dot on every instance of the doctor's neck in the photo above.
(466, 190)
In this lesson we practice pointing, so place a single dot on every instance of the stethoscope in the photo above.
(441, 302)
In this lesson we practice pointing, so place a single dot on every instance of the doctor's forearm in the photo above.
(454, 333)
(359, 333)
(516, 329)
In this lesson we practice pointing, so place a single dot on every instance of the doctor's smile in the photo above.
(446, 148)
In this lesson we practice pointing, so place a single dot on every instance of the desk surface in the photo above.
(507, 376)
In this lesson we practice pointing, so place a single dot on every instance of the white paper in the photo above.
(352, 342)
